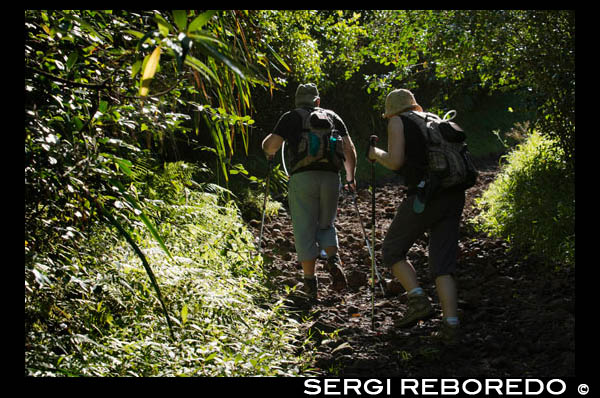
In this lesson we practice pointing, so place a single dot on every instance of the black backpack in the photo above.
(449, 162)
(319, 142)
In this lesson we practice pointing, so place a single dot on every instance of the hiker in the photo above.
(406, 153)
(314, 184)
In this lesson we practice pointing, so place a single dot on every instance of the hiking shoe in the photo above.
(309, 288)
(338, 278)
(447, 334)
(419, 308)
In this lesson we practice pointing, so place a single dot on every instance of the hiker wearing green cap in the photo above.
(406, 153)
(320, 148)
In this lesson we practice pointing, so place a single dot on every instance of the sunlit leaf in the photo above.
(163, 26)
(184, 314)
(149, 71)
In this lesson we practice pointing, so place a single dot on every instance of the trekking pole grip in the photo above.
(372, 142)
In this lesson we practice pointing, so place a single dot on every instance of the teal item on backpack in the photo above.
(314, 143)
(333, 141)
(320, 144)
(420, 199)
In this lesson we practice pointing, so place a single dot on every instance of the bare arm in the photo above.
(394, 158)
(271, 144)
(350, 155)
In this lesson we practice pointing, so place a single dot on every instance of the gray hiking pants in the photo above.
(313, 198)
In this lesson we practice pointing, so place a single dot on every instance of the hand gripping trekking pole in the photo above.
(262, 222)
(372, 141)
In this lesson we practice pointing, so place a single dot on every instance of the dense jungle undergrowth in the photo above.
(144, 191)
(97, 315)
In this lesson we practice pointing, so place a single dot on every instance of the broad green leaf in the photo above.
(72, 60)
(163, 26)
(180, 17)
(210, 357)
(152, 230)
(149, 71)
(201, 20)
(135, 33)
(135, 68)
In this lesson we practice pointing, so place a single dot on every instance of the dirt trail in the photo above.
(517, 322)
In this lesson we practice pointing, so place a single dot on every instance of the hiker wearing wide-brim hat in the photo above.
(320, 147)
(406, 153)
(399, 101)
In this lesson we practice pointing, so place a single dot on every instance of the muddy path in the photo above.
(516, 320)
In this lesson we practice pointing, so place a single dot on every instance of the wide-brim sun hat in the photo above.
(306, 95)
(399, 100)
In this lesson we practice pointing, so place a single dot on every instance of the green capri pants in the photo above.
(313, 199)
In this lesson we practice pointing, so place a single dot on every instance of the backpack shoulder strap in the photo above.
(420, 119)
(304, 114)
(423, 120)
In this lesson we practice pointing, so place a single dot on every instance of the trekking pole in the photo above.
(371, 252)
(262, 222)
(372, 141)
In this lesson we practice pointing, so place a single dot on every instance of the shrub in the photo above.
(532, 202)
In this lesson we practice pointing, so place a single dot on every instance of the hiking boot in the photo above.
(419, 308)
(447, 334)
(338, 278)
(309, 288)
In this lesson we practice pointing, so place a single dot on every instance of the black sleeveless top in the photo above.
(414, 167)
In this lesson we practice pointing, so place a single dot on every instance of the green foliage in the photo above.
(532, 202)
(319, 46)
(533, 50)
(445, 56)
(88, 114)
(92, 313)
(252, 204)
